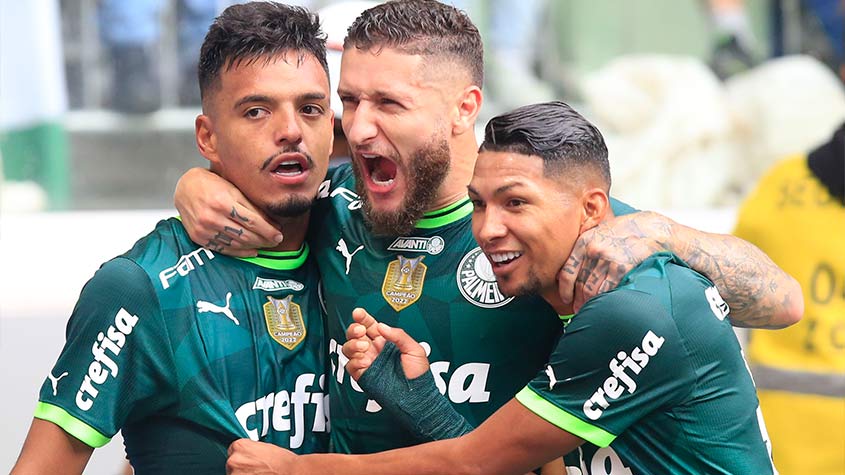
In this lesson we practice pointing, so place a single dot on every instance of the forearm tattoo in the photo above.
(747, 279)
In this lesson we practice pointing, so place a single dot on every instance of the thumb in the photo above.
(403, 341)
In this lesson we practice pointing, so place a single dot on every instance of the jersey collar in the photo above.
(443, 216)
(279, 260)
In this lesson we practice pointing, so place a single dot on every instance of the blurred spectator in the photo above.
(734, 41)
(510, 31)
(797, 216)
(818, 31)
(131, 31)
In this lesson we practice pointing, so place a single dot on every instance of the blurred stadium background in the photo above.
(83, 176)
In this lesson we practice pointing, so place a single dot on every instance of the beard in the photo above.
(293, 206)
(528, 288)
(427, 168)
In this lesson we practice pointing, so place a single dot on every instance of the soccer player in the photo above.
(651, 369)
(184, 349)
(392, 232)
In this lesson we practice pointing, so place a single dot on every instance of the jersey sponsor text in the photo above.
(467, 383)
(275, 411)
(98, 371)
(273, 285)
(184, 266)
(433, 245)
(612, 389)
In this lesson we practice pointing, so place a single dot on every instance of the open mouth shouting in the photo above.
(380, 173)
(289, 168)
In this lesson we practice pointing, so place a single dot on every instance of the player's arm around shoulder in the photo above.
(83, 401)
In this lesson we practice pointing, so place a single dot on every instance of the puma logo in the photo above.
(552, 379)
(55, 381)
(203, 306)
(344, 251)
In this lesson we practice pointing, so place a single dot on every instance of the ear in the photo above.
(595, 205)
(206, 139)
(469, 104)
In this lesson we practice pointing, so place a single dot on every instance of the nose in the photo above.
(488, 226)
(287, 128)
(359, 123)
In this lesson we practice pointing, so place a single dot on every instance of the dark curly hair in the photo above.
(553, 131)
(258, 30)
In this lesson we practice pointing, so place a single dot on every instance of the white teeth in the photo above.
(368, 155)
(289, 162)
(382, 183)
(504, 256)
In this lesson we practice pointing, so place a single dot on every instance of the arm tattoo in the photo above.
(748, 280)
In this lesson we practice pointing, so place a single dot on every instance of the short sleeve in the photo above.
(117, 353)
(620, 358)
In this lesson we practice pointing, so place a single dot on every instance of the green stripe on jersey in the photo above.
(70, 424)
(563, 419)
(280, 260)
(444, 216)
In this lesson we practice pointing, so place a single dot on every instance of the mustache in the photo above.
(288, 149)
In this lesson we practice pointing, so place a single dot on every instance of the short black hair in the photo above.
(252, 31)
(423, 27)
(553, 131)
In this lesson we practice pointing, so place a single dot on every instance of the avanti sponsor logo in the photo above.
(433, 245)
(477, 282)
(113, 340)
(273, 285)
(184, 266)
(615, 385)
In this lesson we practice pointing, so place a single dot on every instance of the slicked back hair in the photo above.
(421, 27)
(553, 131)
(255, 31)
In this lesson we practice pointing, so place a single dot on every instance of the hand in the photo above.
(604, 254)
(366, 338)
(220, 218)
(250, 457)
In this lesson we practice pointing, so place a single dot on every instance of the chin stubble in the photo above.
(429, 167)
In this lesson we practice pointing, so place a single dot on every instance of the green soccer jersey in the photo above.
(652, 376)
(185, 350)
(438, 286)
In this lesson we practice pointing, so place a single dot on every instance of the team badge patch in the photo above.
(403, 282)
(477, 282)
(284, 321)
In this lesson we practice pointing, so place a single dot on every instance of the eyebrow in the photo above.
(262, 98)
(499, 190)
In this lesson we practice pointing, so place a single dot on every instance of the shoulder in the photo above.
(336, 197)
(644, 297)
(338, 178)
